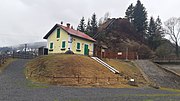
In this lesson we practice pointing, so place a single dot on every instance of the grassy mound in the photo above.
(70, 70)
(78, 70)
(61, 65)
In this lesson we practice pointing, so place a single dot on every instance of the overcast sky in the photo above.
(24, 21)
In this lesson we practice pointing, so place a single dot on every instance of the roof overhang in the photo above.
(57, 25)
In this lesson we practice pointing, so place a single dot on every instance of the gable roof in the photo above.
(71, 32)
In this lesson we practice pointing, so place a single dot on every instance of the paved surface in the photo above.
(159, 75)
(14, 87)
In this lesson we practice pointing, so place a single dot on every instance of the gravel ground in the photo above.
(159, 75)
(14, 87)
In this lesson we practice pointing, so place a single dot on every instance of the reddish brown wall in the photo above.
(112, 55)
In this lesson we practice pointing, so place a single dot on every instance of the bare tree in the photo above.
(173, 30)
(101, 21)
(105, 18)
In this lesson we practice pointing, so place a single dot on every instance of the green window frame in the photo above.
(63, 44)
(51, 45)
(78, 46)
(58, 33)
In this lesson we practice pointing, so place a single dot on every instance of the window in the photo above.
(78, 46)
(63, 44)
(58, 33)
(51, 46)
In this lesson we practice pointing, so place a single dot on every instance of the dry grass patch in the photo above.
(71, 70)
(128, 70)
(7, 62)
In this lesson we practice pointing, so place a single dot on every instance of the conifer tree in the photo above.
(151, 33)
(159, 34)
(82, 26)
(88, 28)
(159, 28)
(140, 19)
(155, 33)
(94, 26)
(129, 13)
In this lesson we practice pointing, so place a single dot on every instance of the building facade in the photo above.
(63, 38)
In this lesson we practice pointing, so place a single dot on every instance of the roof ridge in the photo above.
(71, 31)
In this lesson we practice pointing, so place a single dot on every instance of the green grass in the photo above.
(171, 90)
(148, 100)
(151, 95)
(67, 100)
(55, 100)
(74, 100)
(35, 85)
(156, 95)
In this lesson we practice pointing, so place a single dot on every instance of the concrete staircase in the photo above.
(106, 65)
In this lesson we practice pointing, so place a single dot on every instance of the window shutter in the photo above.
(58, 33)
(63, 44)
(78, 45)
(51, 45)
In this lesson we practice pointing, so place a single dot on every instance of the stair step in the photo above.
(106, 65)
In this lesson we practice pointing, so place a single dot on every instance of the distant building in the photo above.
(63, 38)
(42, 51)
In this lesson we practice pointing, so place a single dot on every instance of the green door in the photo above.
(86, 50)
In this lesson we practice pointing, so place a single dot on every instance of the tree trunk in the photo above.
(177, 49)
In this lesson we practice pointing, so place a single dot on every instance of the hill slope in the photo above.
(118, 35)
(70, 65)
(70, 70)
(65, 69)
(128, 70)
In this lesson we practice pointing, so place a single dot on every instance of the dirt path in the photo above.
(14, 87)
(159, 75)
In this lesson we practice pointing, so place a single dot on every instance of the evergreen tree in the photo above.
(159, 34)
(94, 26)
(151, 33)
(159, 28)
(152, 26)
(140, 19)
(88, 28)
(81, 27)
(155, 33)
(129, 13)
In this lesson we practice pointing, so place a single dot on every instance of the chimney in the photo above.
(68, 25)
(61, 22)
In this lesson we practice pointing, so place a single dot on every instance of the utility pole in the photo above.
(137, 57)
(25, 47)
(126, 53)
